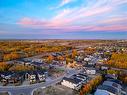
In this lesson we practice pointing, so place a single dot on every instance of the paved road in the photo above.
(125, 70)
(27, 90)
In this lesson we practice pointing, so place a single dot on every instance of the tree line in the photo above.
(10, 50)
(118, 60)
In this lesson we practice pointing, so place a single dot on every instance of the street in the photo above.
(28, 90)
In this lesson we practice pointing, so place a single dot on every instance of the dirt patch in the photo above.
(56, 90)
(4, 93)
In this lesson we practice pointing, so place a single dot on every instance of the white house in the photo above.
(32, 78)
(104, 68)
(87, 59)
(41, 76)
(72, 83)
(91, 63)
(90, 71)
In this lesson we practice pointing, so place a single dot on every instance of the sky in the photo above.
(63, 19)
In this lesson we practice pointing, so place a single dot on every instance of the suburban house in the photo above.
(16, 78)
(5, 77)
(116, 86)
(110, 87)
(91, 63)
(104, 67)
(72, 83)
(106, 90)
(41, 76)
(87, 59)
(90, 71)
(111, 76)
(79, 58)
(37, 60)
(75, 81)
(25, 61)
(81, 77)
(36, 76)
(32, 77)
(84, 76)
(115, 80)
(110, 83)
(37, 64)
(12, 77)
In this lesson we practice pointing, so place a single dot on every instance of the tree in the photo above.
(60, 58)
(112, 72)
(118, 60)
(4, 66)
(89, 50)
(50, 58)
(21, 67)
(74, 53)
(92, 84)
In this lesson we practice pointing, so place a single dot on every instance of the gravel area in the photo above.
(56, 90)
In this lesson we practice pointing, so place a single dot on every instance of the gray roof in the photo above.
(115, 80)
(84, 75)
(75, 80)
(108, 88)
(79, 76)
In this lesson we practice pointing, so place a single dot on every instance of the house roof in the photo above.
(90, 68)
(40, 72)
(100, 92)
(115, 80)
(6, 73)
(108, 88)
(110, 76)
(24, 60)
(79, 76)
(73, 80)
(109, 83)
(32, 72)
(37, 63)
(83, 75)
(36, 72)
(88, 65)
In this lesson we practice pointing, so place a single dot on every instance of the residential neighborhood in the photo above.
(85, 70)
(63, 47)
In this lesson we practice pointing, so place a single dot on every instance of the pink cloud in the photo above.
(114, 20)
(109, 28)
(82, 18)
(59, 25)
(26, 21)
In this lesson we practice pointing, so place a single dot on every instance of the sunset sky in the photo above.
(63, 19)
